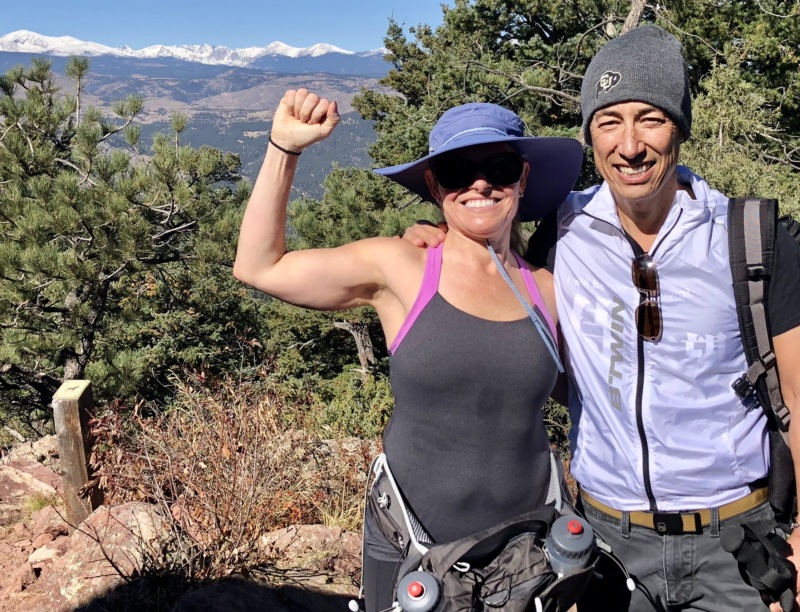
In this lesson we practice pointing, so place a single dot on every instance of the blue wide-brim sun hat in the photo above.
(555, 161)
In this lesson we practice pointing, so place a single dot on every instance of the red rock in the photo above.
(19, 579)
(20, 481)
(109, 546)
(49, 552)
(49, 520)
(41, 540)
(317, 546)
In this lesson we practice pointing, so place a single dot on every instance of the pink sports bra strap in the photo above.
(430, 285)
(536, 295)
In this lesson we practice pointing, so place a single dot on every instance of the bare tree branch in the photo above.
(517, 79)
(634, 16)
(761, 6)
(180, 228)
(84, 176)
(119, 129)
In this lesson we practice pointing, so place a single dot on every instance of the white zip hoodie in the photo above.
(656, 425)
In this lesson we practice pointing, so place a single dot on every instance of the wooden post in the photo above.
(72, 405)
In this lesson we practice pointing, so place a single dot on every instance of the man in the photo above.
(646, 307)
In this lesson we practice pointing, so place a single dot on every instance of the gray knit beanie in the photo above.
(646, 65)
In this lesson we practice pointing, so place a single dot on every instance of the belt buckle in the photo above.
(671, 523)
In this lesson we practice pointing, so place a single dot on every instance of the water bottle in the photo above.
(569, 544)
(419, 591)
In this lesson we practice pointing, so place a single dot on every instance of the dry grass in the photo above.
(39, 501)
(226, 470)
(341, 508)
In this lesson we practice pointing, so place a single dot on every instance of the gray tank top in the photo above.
(466, 441)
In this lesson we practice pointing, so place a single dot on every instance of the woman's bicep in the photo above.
(324, 279)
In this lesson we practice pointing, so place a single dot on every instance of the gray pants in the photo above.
(672, 572)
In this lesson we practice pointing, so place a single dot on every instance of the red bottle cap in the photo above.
(575, 527)
(416, 589)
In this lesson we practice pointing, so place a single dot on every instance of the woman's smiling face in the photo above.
(481, 209)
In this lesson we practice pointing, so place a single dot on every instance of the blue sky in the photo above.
(354, 25)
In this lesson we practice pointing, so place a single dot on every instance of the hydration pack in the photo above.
(505, 567)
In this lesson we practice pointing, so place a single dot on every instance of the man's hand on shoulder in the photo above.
(426, 234)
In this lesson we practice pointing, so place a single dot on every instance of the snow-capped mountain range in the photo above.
(24, 41)
(227, 93)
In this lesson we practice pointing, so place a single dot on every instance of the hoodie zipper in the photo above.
(638, 250)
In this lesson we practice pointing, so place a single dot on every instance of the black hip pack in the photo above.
(505, 567)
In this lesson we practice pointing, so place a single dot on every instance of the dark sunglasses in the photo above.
(454, 172)
(648, 312)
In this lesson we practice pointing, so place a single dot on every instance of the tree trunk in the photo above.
(360, 332)
(634, 16)
(72, 368)
(75, 359)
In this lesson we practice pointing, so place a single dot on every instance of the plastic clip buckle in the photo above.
(742, 387)
(757, 272)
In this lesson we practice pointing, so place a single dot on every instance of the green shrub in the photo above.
(357, 406)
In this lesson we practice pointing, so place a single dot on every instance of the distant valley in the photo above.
(230, 107)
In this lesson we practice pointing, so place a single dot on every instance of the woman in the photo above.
(471, 362)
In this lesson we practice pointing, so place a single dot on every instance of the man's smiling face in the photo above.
(636, 148)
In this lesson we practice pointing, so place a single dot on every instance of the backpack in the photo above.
(752, 226)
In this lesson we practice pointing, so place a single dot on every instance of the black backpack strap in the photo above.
(751, 241)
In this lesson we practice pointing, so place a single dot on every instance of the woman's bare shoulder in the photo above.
(401, 264)
(542, 275)
(394, 250)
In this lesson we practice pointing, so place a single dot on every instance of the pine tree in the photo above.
(107, 255)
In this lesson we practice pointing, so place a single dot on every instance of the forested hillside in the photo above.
(246, 137)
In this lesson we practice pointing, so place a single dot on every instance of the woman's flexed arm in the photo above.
(330, 278)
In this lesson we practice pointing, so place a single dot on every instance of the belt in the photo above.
(677, 523)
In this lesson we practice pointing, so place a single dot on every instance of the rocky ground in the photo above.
(45, 568)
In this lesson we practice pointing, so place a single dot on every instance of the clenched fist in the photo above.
(303, 118)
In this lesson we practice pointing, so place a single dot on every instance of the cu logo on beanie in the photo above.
(607, 81)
